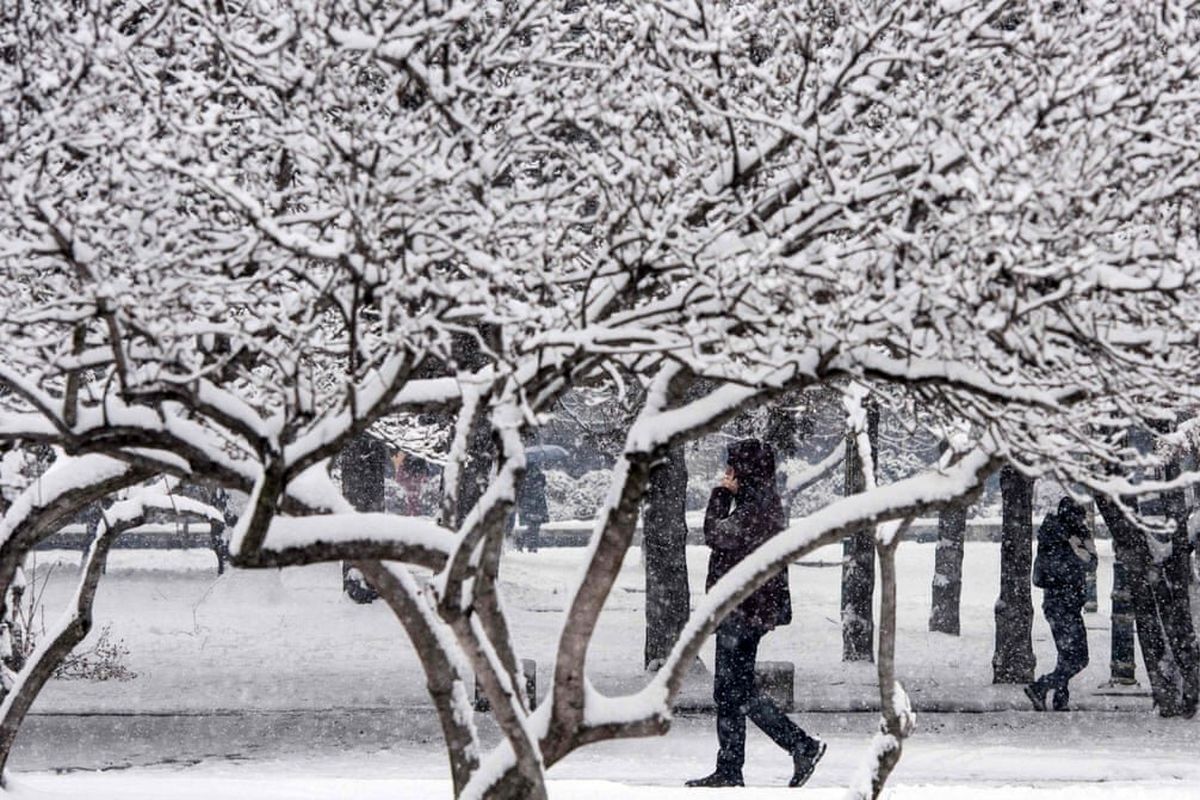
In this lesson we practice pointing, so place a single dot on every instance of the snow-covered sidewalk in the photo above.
(289, 640)
(105, 787)
(272, 685)
(1001, 756)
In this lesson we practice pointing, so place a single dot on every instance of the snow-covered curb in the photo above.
(142, 786)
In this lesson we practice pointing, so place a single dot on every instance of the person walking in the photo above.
(1065, 554)
(531, 504)
(743, 512)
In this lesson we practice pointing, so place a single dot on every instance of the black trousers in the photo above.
(1070, 640)
(530, 537)
(737, 697)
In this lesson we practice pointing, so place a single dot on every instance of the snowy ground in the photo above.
(1001, 755)
(276, 677)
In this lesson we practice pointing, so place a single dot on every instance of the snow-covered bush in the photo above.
(569, 497)
(105, 660)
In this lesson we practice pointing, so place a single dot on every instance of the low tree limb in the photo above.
(436, 647)
(76, 621)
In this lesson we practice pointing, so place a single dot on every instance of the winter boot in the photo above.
(805, 759)
(1188, 704)
(1191, 691)
(1036, 693)
(1061, 700)
(718, 780)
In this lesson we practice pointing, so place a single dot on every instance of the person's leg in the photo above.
(1077, 644)
(731, 691)
(1054, 678)
(532, 537)
(510, 530)
(1070, 640)
(733, 687)
(768, 716)
(1038, 689)
(805, 750)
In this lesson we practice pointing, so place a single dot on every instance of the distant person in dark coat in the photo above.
(531, 505)
(1065, 555)
(743, 512)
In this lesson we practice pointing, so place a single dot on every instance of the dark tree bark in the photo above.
(1161, 604)
(664, 552)
(477, 469)
(1092, 603)
(70, 632)
(1013, 661)
(896, 722)
(442, 676)
(858, 559)
(481, 449)
(947, 570)
(364, 463)
(1174, 601)
(1122, 664)
(1132, 550)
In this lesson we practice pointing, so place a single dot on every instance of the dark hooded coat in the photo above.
(1065, 554)
(734, 526)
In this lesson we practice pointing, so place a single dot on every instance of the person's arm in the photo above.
(1084, 547)
(721, 528)
(1039, 568)
(1045, 536)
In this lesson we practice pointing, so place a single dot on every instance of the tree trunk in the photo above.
(1092, 602)
(1013, 661)
(947, 570)
(71, 629)
(1161, 603)
(477, 469)
(481, 449)
(1122, 663)
(896, 717)
(1132, 550)
(858, 558)
(364, 464)
(433, 643)
(1174, 601)
(664, 553)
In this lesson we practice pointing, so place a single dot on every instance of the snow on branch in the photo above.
(356, 536)
(916, 371)
(798, 483)
(658, 430)
(67, 476)
(367, 400)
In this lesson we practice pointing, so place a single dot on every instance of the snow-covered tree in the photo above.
(237, 234)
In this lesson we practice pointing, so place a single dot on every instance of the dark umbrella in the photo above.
(540, 454)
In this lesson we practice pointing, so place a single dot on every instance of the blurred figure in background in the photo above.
(411, 473)
(1065, 554)
(531, 505)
